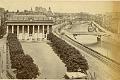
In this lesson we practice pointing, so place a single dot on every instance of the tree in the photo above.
(29, 71)
(1, 32)
(72, 58)
(24, 64)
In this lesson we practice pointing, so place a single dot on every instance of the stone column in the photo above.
(23, 29)
(48, 29)
(38, 31)
(28, 29)
(43, 32)
(23, 32)
(7, 29)
(38, 28)
(12, 29)
(45, 36)
(33, 29)
(17, 30)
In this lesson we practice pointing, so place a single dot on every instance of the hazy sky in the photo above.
(59, 5)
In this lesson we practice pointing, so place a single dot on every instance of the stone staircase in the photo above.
(32, 37)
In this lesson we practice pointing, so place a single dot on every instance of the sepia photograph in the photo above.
(60, 39)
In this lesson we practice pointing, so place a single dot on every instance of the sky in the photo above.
(69, 6)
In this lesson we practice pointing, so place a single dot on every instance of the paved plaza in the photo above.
(51, 67)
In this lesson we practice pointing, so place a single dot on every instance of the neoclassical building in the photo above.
(29, 27)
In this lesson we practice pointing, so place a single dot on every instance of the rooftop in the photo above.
(27, 17)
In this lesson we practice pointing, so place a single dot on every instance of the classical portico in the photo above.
(29, 30)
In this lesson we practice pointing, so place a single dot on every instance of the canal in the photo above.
(50, 66)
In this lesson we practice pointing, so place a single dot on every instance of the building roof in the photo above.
(27, 17)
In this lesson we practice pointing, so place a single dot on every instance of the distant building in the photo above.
(29, 25)
(50, 13)
(0, 21)
(111, 21)
(44, 11)
(2, 10)
(41, 10)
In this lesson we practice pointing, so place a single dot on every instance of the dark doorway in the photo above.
(9, 29)
(15, 29)
(30, 29)
(20, 29)
(50, 28)
(45, 29)
(25, 29)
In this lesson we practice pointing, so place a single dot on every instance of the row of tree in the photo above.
(2, 31)
(72, 58)
(24, 64)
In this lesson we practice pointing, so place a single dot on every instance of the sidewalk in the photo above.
(2, 57)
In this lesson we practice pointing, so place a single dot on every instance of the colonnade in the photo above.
(45, 30)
